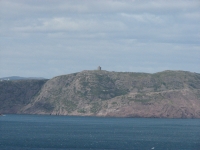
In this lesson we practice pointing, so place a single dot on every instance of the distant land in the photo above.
(167, 94)
(19, 78)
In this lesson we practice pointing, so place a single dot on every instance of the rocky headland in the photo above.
(167, 94)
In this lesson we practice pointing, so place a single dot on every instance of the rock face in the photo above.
(167, 94)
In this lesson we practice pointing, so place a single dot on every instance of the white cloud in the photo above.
(70, 24)
(144, 18)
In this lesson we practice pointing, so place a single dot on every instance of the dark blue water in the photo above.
(35, 132)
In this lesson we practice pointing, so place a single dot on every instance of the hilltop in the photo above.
(167, 94)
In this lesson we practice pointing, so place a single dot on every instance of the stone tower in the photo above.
(99, 68)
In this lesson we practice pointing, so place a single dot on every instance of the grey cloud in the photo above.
(44, 37)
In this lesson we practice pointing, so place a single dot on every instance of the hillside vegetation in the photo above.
(16, 94)
(167, 94)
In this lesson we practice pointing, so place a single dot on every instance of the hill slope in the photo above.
(171, 94)
(14, 95)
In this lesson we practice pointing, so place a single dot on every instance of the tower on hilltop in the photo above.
(99, 68)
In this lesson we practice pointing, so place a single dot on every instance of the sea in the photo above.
(45, 132)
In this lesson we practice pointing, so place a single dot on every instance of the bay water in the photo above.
(43, 132)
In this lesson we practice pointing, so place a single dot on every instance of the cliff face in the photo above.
(14, 95)
(170, 94)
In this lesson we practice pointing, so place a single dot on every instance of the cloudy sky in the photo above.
(46, 38)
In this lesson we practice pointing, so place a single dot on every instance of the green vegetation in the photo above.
(44, 106)
(49, 107)
(114, 103)
(95, 107)
(82, 110)
(14, 95)
(70, 106)
(103, 79)
(105, 105)
(143, 101)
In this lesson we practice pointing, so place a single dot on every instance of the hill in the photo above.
(20, 78)
(16, 94)
(167, 94)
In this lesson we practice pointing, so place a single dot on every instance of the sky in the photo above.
(47, 38)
